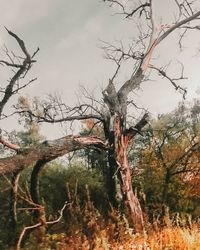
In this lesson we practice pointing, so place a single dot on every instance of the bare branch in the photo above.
(177, 87)
(28, 228)
(10, 64)
(140, 8)
(60, 216)
(49, 119)
(18, 246)
(21, 44)
(24, 86)
(22, 71)
(54, 110)
(177, 25)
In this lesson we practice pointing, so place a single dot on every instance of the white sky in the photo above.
(68, 34)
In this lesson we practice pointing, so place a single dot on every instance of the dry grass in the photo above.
(87, 229)
(116, 236)
(175, 238)
(166, 239)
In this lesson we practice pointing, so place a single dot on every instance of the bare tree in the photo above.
(112, 113)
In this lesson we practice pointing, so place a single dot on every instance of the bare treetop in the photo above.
(141, 50)
(20, 67)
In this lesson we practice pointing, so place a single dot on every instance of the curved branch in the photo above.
(34, 192)
(177, 25)
(34, 186)
(48, 151)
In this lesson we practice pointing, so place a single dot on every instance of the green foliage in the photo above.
(55, 178)
(152, 157)
(166, 159)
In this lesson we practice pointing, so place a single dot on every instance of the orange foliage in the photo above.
(168, 238)
(90, 125)
(88, 229)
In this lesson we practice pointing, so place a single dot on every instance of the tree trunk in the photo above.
(120, 176)
(166, 187)
(12, 223)
(34, 189)
(131, 200)
(165, 216)
(13, 200)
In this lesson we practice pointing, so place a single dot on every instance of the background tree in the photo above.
(170, 157)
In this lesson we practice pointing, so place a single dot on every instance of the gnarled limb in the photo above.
(47, 151)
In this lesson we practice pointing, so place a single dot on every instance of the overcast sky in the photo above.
(69, 33)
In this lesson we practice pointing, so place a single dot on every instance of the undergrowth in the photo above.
(84, 227)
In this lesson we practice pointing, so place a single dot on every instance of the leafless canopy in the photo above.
(149, 35)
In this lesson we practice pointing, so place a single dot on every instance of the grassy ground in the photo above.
(112, 238)
(86, 229)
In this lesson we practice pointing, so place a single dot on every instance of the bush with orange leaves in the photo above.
(87, 229)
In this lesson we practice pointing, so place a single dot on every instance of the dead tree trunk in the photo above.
(119, 137)
(116, 102)
(131, 200)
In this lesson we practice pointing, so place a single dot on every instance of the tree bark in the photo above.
(131, 200)
(119, 137)
(48, 151)
(120, 190)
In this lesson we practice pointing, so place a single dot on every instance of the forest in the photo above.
(123, 178)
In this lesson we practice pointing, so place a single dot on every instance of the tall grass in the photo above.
(85, 228)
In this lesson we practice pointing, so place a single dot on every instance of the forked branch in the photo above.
(23, 67)
(39, 224)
